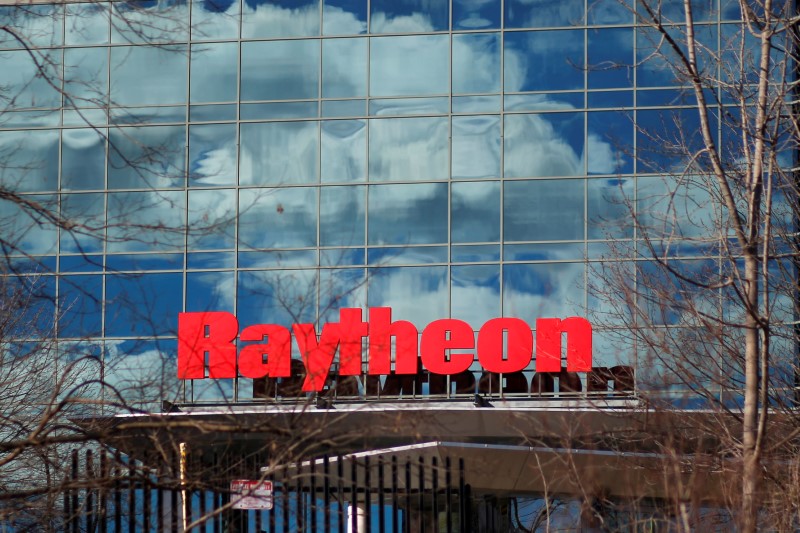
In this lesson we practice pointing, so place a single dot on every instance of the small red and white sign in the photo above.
(250, 494)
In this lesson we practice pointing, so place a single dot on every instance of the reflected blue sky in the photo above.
(369, 165)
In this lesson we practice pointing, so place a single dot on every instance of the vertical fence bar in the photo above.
(435, 493)
(448, 481)
(462, 502)
(354, 496)
(90, 489)
(395, 509)
(272, 512)
(313, 494)
(367, 494)
(131, 496)
(103, 496)
(117, 492)
(326, 489)
(203, 502)
(174, 473)
(160, 502)
(421, 472)
(406, 520)
(146, 495)
(75, 516)
(467, 506)
(300, 510)
(340, 492)
(381, 510)
(285, 506)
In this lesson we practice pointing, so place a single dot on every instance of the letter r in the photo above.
(212, 333)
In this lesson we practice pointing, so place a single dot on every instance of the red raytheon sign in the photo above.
(206, 346)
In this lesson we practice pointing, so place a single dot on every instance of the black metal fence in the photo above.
(360, 493)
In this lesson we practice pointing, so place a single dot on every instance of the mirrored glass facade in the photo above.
(280, 159)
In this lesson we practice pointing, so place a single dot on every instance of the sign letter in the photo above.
(209, 333)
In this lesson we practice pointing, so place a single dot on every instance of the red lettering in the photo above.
(548, 344)
(381, 331)
(441, 336)
(490, 345)
(317, 356)
(207, 339)
(277, 349)
(353, 329)
(212, 333)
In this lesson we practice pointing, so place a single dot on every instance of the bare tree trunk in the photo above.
(750, 448)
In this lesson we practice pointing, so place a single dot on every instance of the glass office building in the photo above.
(282, 159)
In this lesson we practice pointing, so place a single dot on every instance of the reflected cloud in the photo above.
(543, 290)
(269, 20)
(337, 21)
(416, 294)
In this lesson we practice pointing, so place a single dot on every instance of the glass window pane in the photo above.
(543, 13)
(408, 214)
(677, 207)
(280, 18)
(212, 154)
(609, 208)
(277, 297)
(476, 147)
(342, 216)
(610, 12)
(138, 21)
(409, 65)
(24, 230)
(472, 15)
(610, 58)
(476, 63)
(279, 153)
(80, 308)
(278, 218)
(416, 294)
(25, 84)
(280, 70)
(475, 293)
(344, 17)
(214, 72)
(215, 19)
(143, 158)
(32, 25)
(145, 304)
(344, 150)
(408, 149)
(210, 291)
(543, 210)
(396, 16)
(87, 23)
(610, 143)
(83, 159)
(34, 320)
(145, 75)
(544, 145)
(341, 287)
(87, 213)
(86, 76)
(544, 290)
(30, 160)
(543, 60)
(475, 211)
(668, 138)
(344, 68)
(146, 221)
(212, 219)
